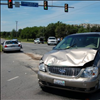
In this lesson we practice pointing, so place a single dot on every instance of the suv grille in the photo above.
(67, 71)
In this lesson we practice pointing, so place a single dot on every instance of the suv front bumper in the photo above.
(85, 85)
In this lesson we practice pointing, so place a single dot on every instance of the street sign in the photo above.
(17, 4)
(31, 4)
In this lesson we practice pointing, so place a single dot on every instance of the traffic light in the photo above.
(10, 3)
(45, 5)
(66, 7)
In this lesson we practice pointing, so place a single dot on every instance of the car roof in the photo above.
(88, 33)
(15, 39)
(8, 40)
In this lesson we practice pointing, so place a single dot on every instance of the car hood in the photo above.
(69, 57)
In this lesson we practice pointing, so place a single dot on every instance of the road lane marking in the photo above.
(12, 78)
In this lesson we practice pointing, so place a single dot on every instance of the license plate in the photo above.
(14, 46)
(59, 82)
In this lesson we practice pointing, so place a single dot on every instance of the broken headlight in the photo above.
(42, 66)
(90, 72)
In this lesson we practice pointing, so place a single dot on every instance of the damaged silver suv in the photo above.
(74, 64)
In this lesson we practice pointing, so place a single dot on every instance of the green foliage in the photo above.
(50, 30)
(0, 48)
(58, 29)
(13, 33)
(72, 29)
(94, 29)
(61, 30)
(5, 34)
(81, 30)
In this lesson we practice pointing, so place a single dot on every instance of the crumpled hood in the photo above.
(69, 57)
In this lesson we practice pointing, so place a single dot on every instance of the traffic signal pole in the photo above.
(39, 5)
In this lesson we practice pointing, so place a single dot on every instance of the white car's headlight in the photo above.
(42, 67)
(90, 72)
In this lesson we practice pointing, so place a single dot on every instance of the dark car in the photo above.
(39, 40)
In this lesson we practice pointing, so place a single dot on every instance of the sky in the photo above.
(83, 12)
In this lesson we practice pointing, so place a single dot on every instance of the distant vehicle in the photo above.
(73, 64)
(52, 41)
(10, 45)
(17, 41)
(39, 40)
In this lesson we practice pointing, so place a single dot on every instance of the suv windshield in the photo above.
(79, 41)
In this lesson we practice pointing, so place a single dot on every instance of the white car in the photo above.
(52, 40)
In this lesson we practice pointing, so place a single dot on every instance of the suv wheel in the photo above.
(44, 88)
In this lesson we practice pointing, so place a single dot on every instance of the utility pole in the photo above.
(16, 28)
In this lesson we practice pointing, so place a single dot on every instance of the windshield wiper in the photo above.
(64, 48)
(71, 46)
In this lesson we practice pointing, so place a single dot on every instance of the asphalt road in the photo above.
(19, 77)
(37, 48)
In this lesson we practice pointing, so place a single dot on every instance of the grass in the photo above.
(25, 40)
(22, 40)
(0, 48)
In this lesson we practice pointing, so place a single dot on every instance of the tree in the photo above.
(25, 33)
(50, 30)
(98, 29)
(34, 31)
(72, 29)
(94, 29)
(3, 34)
(13, 33)
(88, 28)
(80, 30)
(61, 30)
(19, 32)
(41, 32)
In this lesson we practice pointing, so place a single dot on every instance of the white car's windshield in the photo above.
(52, 38)
(79, 41)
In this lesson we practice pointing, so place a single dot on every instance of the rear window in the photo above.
(11, 42)
(37, 39)
(52, 38)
